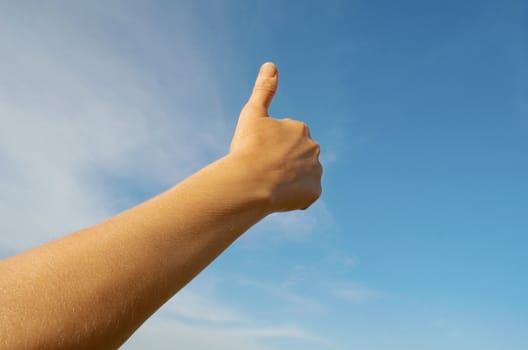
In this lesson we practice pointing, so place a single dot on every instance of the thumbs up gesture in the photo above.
(279, 152)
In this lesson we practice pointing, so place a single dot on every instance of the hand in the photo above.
(281, 153)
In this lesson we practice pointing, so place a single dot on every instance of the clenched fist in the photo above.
(281, 152)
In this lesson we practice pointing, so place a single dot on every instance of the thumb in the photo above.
(265, 87)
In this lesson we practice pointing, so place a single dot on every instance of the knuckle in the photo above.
(317, 194)
(312, 198)
(306, 130)
(317, 149)
(302, 126)
(313, 195)
(319, 169)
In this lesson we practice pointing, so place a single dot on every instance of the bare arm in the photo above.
(94, 288)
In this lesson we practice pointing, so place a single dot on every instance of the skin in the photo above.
(92, 289)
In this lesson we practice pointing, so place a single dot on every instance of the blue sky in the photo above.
(420, 107)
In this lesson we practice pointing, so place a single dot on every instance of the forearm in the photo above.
(92, 289)
(103, 282)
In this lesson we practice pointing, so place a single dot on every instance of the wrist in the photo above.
(249, 182)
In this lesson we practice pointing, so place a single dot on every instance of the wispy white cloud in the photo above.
(285, 294)
(77, 112)
(163, 333)
(196, 319)
(351, 261)
(358, 293)
(196, 307)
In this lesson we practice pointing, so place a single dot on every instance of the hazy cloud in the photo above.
(82, 121)
(358, 293)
